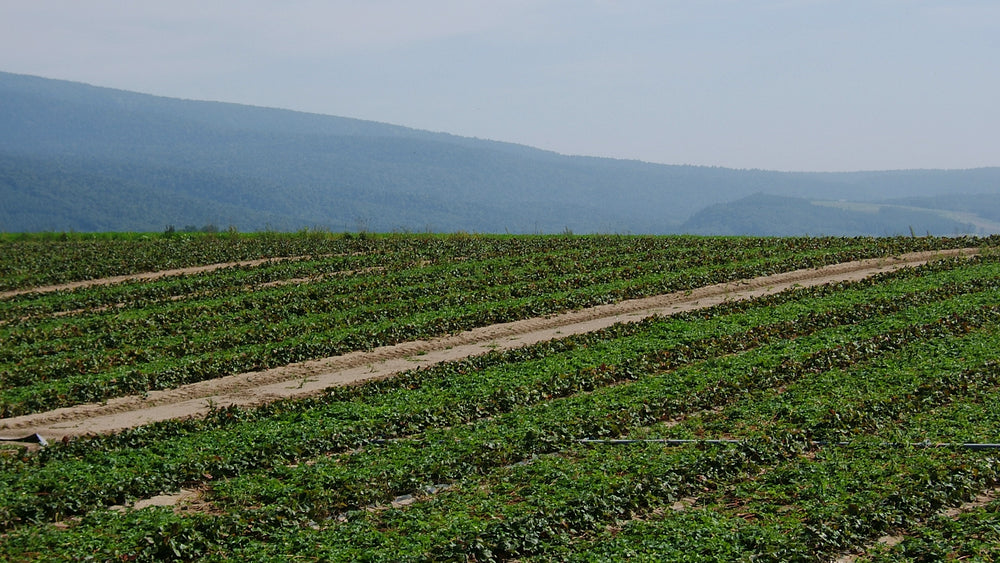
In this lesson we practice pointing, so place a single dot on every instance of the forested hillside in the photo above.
(78, 157)
(769, 215)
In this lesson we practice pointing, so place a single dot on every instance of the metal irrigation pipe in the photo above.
(672, 442)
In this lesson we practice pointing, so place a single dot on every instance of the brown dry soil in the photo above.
(312, 377)
(144, 276)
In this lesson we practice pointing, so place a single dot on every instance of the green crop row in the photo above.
(842, 496)
(972, 535)
(33, 262)
(499, 430)
(549, 504)
(534, 429)
(670, 349)
(673, 341)
(177, 331)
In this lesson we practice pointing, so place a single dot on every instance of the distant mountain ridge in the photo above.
(771, 215)
(85, 158)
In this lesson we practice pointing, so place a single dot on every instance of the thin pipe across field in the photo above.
(679, 442)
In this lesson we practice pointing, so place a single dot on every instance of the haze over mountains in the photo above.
(84, 158)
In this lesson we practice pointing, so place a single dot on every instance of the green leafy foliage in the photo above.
(345, 294)
(829, 393)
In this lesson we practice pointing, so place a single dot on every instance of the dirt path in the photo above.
(146, 276)
(312, 377)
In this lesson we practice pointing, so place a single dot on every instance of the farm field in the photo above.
(816, 423)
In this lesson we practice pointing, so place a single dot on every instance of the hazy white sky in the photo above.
(775, 84)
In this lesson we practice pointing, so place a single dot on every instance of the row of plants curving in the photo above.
(827, 392)
(63, 348)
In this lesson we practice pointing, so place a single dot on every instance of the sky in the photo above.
(807, 85)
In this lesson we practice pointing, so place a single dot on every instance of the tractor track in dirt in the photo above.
(148, 276)
(312, 377)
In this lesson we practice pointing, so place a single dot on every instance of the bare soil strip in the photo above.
(276, 283)
(312, 377)
(146, 276)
